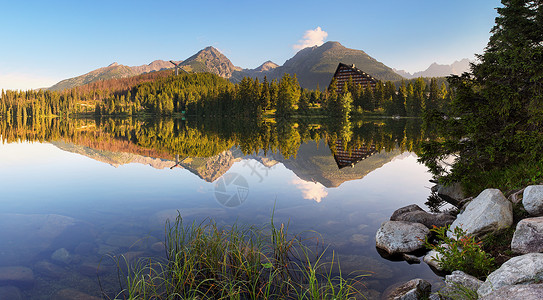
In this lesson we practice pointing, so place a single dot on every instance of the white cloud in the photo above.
(310, 190)
(311, 38)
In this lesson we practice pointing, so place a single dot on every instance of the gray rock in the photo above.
(62, 256)
(399, 237)
(517, 292)
(16, 275)
(452, 193)
(458, 282)
(528, 237)
(489, 212)
(10, 293)
(532, 200)
(430, 259)
(524, 269)
(413, 213)
(412, 290)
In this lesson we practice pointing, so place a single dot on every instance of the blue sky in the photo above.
(44, 42)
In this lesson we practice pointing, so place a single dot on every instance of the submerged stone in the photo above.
(49, 269)
(158, 247)
(32, 234)
(16, 275)
(93, 269)
(62, 256)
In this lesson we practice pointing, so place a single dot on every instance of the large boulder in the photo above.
(524, 269)
(489, 212)
(532, 200)
(412, 290)
(399, 237)
(517, 292)
(414, 214)
(528, 237)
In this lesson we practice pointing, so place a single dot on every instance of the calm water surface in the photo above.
(67, 206)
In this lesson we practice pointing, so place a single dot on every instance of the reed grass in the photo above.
(205, 261)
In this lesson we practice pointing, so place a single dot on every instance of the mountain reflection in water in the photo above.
(340, 179)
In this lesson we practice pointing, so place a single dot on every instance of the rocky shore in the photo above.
(520, 277)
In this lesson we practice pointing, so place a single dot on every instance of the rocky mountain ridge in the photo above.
(314, 67)
(114, 70)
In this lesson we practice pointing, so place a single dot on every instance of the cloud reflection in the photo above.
(310, 190)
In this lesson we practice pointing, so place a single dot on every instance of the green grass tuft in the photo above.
(205, 261)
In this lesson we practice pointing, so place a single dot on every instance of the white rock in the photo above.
(532, 200)
(488, 212)
(521, 292)
(524, 269)
(399, 237)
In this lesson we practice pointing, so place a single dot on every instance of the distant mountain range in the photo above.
(314, 66)
(437, 70)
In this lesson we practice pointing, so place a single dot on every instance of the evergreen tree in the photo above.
(500, 105)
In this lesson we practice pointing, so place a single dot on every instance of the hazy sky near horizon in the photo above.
(44, 42)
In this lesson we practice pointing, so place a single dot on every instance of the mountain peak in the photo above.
(211, 60)
(113, 64)
(331, 44)
(267, 66)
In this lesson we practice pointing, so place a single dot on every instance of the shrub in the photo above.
(461, 252)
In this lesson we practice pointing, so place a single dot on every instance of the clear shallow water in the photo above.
(92, 205)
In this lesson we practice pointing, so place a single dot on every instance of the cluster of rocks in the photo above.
(490, 212)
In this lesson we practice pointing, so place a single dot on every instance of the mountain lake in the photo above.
(77, 194)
